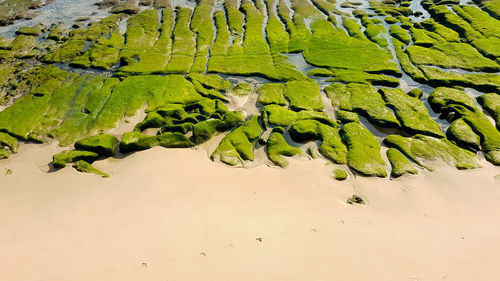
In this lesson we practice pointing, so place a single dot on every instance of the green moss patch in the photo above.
(85, 167)
(400, 165)
(424, 149)
(363, 99)
(237, 146)
(277, 147)
(103, 144)
(70, 156)
(339, 174)
(331, 146)
(411, 113)
(363, 150)
(271, 94)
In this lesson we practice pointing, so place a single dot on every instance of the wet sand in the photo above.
(172, 214)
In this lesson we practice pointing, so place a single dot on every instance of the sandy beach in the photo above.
(172, 214)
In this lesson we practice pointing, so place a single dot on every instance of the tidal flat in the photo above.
(388, 93)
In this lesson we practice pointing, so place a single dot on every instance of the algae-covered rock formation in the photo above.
(262, 79)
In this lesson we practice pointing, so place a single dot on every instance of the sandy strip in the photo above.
(172, 214)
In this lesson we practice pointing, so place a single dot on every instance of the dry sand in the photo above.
(172, 214)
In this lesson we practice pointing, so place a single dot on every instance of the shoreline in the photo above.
(172, 214)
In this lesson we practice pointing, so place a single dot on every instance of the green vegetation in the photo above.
(461, 134)
(400, 165)
(70, 156)
(271, 94)
(491, 104)
(339, 174)
(363, 150)
(452, 100)
(420, 148)
(85, 167)
(277, 147)
(280, 116)
(104, 144)
(303, 95)
(331, 146)
(411, 113)
(400, 34)
(362, 99)
(237, 146)
(355, 76)
(242, 89)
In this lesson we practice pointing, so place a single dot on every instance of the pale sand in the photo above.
(172, 214)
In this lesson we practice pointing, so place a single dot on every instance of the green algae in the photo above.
(451, 55)
(411, 113)
(320, 72)
(242, 89)
(277, 147)
(303, 95)
(491, 104)
(461, 134)
(363, 150)
(85, 167)
(400, 165)
(362, 99)
(60, 159)
(331, 47)
(135, 141)
(211, 81)
(237, 146)
(355, 76)
(35, 30)
(280, 116)
(406, 64)
(8, 143)
(346, 116)
(331, 146)
(480, 81)
(420, 148)
(415, 93)
(103, 144)
(452, 100)
(339, 174)
(271, 94)
(400, 34)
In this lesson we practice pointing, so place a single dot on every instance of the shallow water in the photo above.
(63, 11)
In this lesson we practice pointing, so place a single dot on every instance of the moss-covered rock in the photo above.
(271, 93)
(277, 147)
(237, 146)
(363, 154)
(103, 144)
(363, 99)
(415, 93)
(212, 81)
(355, 199)
(70, 156)
(135, 141)
(339, 174)
(35, 30)
(303, 95)
(331, 146)
(346, 116)
(400, 165)
(354, 76)
(411, 113)
(423, 149)
(491, 104)
(8, 142)
(456, 101)
(85, 167)
(278, 115)
(400, 34)
(462, 135)
(242, 89)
